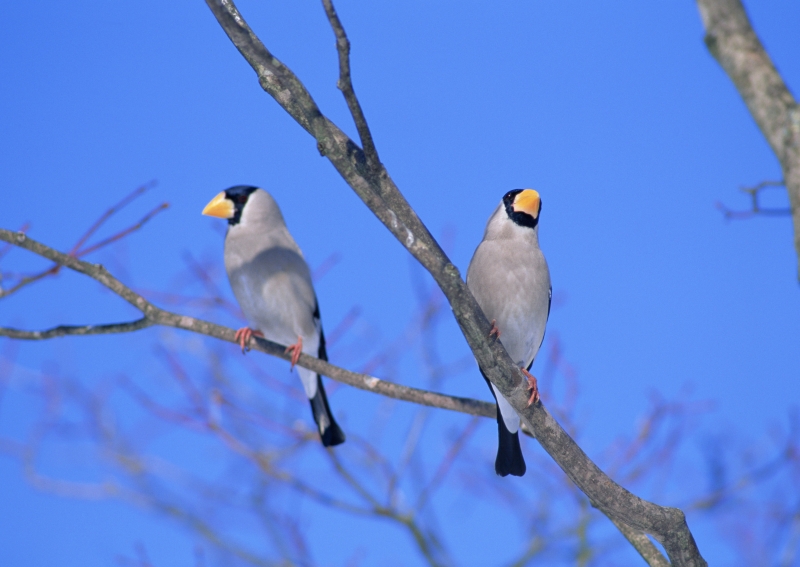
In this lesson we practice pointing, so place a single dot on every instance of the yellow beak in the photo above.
(220, 207)
(527, 202)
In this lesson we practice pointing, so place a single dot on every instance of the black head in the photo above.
(238, 195)
(523, 206)
(229, 203)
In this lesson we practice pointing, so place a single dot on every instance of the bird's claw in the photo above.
(295, 349)
(494, 332)
(533, 386)
(244, 335)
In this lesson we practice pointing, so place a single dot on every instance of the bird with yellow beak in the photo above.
(272, 284)
(509, 278)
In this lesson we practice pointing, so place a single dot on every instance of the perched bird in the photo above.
(509, 278)
(272, 284)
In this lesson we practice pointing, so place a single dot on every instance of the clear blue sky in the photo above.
(616, 113)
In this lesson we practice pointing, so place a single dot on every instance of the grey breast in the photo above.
(514, 292)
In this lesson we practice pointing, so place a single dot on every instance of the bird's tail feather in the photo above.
(329, 430)
(509, 460)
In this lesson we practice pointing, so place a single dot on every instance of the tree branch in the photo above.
(70, 330)
(345, 84)
(78, 251)
(642, 544)
(156, 316)
(381, 195)
(377, 191)
(755, 205)
(570, 457)
(733, 43)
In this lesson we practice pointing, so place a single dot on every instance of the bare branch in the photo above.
(384, 199)
(345, 84)
(615, 502)
(755, 206)
(27, 280)
(447, 462)
(225, 413)
(734, 44)
(123, 233)
(110, 212)
(155, 316)
(77, 252)
(378, 192)
(8, 246)
(642, 544)
(69, 330)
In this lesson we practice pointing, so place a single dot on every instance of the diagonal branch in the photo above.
(734, 44)
(381, 195)
(642, 544)
(111, 212)
(123, 233)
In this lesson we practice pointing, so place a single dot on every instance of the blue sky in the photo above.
(616, 113)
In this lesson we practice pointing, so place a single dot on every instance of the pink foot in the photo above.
(295, 349)
(495, 332)
(532, 386)
(244, 335)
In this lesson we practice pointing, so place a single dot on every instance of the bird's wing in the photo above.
(274, 289)
(322, 352)
(549, 304)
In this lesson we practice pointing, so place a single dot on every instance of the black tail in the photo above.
(509, 459)
(329, 430)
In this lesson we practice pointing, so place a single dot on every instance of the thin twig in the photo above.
(122, 233)
(755, 206)
(76, 250)
(345, 84)
(447, 462)
(128, 199)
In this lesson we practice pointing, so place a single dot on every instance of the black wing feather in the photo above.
(330, 432)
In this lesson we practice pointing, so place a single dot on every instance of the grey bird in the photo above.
(272, 284)
(509, 278)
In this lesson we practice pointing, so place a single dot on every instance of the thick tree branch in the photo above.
(642, 544)
(382, 196)
(733, 43)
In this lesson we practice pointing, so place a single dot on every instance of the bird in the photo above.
(510, 280)
(272, 284)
